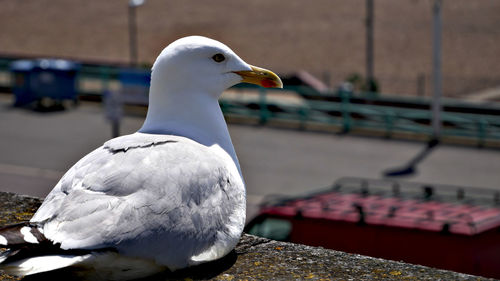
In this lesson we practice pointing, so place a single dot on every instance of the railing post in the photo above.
(481, 126)
(105, 77)
(389, 122)
(345, 108)
(303, 116)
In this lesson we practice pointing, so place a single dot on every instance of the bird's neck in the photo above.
(196, 116)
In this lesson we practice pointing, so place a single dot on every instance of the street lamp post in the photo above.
(436, 70)
(410, 167)
(369, 46)
(132, 30)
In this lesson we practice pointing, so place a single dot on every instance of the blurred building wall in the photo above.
(324, 37)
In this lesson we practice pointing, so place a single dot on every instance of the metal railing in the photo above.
(349, 116)
(343, 110)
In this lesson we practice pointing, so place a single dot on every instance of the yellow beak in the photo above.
(260, 76)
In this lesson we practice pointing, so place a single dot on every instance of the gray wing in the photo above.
(153, 196)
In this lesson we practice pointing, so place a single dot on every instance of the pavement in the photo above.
(37, 147)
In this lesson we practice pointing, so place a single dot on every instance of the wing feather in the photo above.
(152, 196)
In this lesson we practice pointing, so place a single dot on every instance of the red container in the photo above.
(437, 226)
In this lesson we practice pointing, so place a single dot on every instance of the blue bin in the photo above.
(21, 71)
(44, 78)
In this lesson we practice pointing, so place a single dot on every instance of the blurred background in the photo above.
(387, 130)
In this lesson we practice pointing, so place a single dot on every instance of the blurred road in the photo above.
(36, 148)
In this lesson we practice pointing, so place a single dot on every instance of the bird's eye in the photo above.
(218, 57)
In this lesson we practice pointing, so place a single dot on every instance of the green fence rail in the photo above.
(340, 109)
(349, 116)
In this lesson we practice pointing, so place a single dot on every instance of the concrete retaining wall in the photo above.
(262, 259)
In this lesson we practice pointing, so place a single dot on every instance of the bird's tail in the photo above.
(21, 234)
(28, 251)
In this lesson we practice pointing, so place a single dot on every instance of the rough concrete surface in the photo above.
(259, 259)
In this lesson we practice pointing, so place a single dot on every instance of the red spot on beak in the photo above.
(268, 84)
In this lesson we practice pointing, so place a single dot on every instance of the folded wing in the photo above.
(159, 197)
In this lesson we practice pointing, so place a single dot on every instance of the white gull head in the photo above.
(187, 79)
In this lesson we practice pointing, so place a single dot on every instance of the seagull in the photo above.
(166, 197)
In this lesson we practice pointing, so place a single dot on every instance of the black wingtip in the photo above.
(17, 235)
